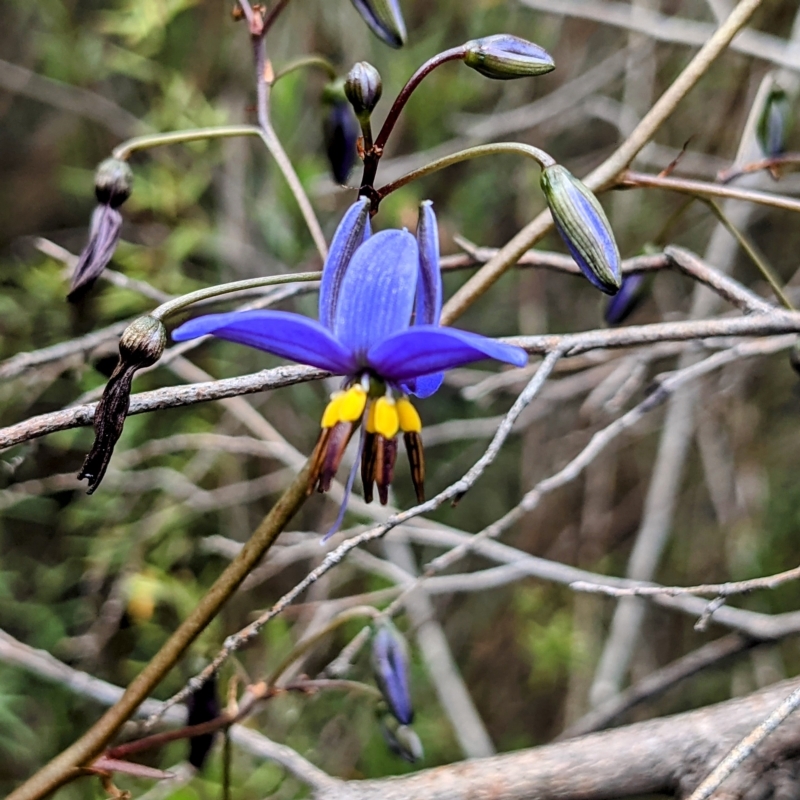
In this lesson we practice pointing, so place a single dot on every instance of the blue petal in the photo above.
(429, 286)
(351, 233)
(424, 386)
(427, 349)
(377, 293)
(279, 332)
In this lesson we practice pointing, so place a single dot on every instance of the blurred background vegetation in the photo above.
(101, 581)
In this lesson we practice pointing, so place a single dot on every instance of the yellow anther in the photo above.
(383, 418)
(352, 404)
(332, 413)
(345, 406)
(409, 418)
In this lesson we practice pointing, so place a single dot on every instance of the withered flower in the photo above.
(141, 345)
(112, 187)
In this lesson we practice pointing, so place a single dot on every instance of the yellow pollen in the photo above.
(352, 404)
(409, 418)
(331, 415)
(383, 418)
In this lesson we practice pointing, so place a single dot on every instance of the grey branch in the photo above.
(664, 756)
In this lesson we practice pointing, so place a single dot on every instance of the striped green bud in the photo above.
(503, 57)
(584, 227)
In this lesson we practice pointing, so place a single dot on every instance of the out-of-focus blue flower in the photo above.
(505, 57)
(390, 667)
(379, 306)
(340, 130)
(584, 227)
(385, 20)
(627, 299)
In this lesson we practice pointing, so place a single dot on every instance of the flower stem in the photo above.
(273, 144)
(539, 156)
(124, 150)
(373, 156)
(171, 307)
(318, 62)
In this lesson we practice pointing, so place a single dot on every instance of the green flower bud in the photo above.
(584, 227)
(504, 57)
(113, 182)
(363, 87)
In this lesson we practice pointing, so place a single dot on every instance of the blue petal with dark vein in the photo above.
(429, 286)
(349, 236)
(377, 293)
(427, 349)
(281, 333)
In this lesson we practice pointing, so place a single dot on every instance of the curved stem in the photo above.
(305, 645)
(270, 139)
(539, 156)
(123, 151)
(373, 156)
(303, 63)
(169, 308)
(66, 766)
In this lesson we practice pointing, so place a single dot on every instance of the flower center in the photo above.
(384, 417)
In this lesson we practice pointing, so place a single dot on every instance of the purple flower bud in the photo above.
(390, 666)
(504, 57)
(584, 227)
(774, 123)
(340, 130)
(627, 299)
(384, 19)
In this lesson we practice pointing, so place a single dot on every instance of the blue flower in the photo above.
(379, 305)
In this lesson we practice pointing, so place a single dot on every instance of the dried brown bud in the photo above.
(141, 345)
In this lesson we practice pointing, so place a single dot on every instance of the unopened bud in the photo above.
(384, 19)
(504, 57)
(584, 227)
(203, 706)
(113, 182)
(143, 342)
(340, 131)
(390, 666)
(363, 87)
(774, 123)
